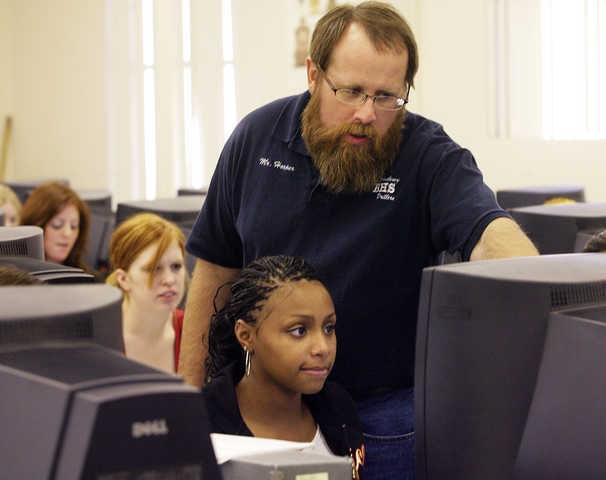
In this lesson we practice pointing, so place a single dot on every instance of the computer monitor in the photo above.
(180, 210)
(192, 191)
(96, 253)
(526, 196)
(38, 314)
(23, 241)
(48, 272)
(509, 356)
(2, 218)
(24, 188)
(73, 407)
(79, 411)
(554, 228)
(98, 201)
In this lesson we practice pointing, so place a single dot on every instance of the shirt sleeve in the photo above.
(214, 236)
(461, 204)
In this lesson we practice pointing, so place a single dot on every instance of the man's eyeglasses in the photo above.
(357, 98)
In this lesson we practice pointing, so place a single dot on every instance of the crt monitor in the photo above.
(509, 359)
(74, 407)
(192, 191)
(48, 272)
(74, 411)
(24, 187)
(22, 241)
(526, 196)
(98, 201)
(554, 228)
(37, 314)
(180, 210)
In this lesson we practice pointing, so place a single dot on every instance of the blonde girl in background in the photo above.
(10, 205)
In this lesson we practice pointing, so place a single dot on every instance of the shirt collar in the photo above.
(288, 125)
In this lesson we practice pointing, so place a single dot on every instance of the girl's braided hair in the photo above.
(248, 293)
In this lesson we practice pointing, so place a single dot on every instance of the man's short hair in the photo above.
(385, 27)
(597, 243)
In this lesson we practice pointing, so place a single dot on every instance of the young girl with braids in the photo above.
(271, 349)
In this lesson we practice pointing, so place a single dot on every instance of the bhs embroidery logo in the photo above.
(386, 188)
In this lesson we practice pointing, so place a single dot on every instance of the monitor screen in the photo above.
(180, 210)
(526, 196)
(22, 241)
(482, 361)
(554, 228)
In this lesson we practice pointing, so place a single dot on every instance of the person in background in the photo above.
(65, 219)
(13, 276)
(146, 254)
(10, 205)
(367, 192)
(597, 243)
(271, 348)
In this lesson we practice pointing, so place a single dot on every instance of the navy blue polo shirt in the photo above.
(369, 249)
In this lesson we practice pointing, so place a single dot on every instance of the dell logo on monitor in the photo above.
(149, 428)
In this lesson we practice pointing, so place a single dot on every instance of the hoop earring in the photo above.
(247, 360)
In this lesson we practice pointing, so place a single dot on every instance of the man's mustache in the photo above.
(357, 129)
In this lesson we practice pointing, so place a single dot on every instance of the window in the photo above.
(574, 69)
(548, 69)
(149, 98)
(229, 82)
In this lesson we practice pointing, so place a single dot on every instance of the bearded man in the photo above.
(366, 192)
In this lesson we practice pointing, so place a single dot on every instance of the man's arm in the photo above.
(503, 238)
(206, 279)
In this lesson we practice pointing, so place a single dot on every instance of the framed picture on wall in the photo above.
(305, 15)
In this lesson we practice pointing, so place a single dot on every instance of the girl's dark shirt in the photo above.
(332, 408)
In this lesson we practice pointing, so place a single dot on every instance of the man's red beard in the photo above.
(343, 166)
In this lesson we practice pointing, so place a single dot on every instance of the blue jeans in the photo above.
(389, 437)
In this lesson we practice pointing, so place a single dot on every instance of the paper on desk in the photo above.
(232, 446)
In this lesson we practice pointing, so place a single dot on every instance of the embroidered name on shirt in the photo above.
(386, 188)
(266, 162)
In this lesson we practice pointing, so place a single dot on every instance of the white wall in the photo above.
(7, 69)
(263, 49)
(59, 81)
(61, 60)
(455, 66)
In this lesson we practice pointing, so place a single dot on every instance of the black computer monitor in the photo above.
(554, 228)
(25, 187)
(509, 362)
(98, 201)
(23, 241)
(76, 411)
(37, 314)
(526, 196)
(192, 191)
(180, 210)
(48, 272)
(73, 407)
